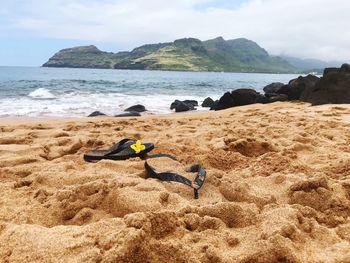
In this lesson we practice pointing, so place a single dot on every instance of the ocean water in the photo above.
(62, 92)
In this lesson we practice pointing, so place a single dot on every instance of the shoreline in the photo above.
(63, 118)
(195, 113)
(189, 114)
(168, 71)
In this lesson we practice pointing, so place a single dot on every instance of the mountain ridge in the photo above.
(310, 64)
(186, 54)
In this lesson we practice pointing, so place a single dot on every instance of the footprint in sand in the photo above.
(62, 147)
(249, 147)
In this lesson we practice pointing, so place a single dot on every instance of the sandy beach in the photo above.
(277, 188)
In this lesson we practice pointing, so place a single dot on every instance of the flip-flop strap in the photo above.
(118, 147)
(199, 180)
(168, 176)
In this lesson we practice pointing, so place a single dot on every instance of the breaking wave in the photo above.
(41, 93)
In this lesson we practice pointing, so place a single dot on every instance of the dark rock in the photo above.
(194, 103)
(345, 68)
(334, 88)
(97, 113)
(329, 70)
(296, 87)
(263, 99)
(239, 97)
(181, 107)
(273, 87)
(136, 108)
(277, 97)
(225, 102)
(208, 103)
(215, 105)
(179, 104)
(174, 104)
(269, 95)
(246, 96)
(129, 114)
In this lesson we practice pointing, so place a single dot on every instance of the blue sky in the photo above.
(33, 30)
(35, 50)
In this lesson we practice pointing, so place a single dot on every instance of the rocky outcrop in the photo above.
(96, 113)
(274, 92)
(137, 108)
(80, 57)
(329, 70)
(191, 103)
(273, 87)
(239, 97)
(208, 103)
(215, 105)
(345, 68)
(194, 103)
(296, 87)
(225, 102)
(180, 107)
(126, 114)
(185, 105)
(333, 87)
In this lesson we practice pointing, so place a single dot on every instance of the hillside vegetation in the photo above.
(188, 54)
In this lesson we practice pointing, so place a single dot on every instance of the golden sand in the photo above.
(277, 188)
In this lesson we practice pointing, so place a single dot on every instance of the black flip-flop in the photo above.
(196, 184)
(119, 151)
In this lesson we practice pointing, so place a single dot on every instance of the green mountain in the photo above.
(188, 54)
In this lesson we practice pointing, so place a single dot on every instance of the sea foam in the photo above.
(41, 93)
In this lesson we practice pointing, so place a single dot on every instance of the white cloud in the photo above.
(305, 28)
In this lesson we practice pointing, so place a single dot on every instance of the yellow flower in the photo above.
(138, 146)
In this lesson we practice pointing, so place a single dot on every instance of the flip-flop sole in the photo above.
(98, 155)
